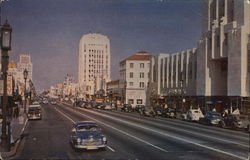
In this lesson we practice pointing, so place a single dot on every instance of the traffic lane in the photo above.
(226, 133)
(227, 148)
(168, 144)
(46, 138)
(124, 146)
(189, 131)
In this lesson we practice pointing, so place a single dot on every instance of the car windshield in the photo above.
(83, 128)
(34, 109)
(215, 114)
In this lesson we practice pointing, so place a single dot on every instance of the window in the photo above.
(141, 84)
(131, 65)
(131, 75)
(141, 75)
(130, 101)
(131, 83)
(218, 40)
(226, 39)
(141, 65)
(139, 101)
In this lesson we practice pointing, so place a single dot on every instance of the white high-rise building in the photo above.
(94, 63)
(25, 63)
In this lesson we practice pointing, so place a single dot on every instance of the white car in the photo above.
(194, 115)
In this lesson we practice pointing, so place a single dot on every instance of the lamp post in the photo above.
(25, 75)
(5, 47)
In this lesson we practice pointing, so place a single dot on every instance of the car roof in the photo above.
(85, 123)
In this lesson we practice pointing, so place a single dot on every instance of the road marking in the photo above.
(139, 139)
(24, 124)
(199, 134)
(65, 115)
(175, 137)
(111, 148)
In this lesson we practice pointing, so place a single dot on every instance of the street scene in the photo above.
(124, 79)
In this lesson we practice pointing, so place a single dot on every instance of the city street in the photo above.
(130, 136)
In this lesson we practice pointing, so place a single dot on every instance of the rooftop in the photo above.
(141, 56)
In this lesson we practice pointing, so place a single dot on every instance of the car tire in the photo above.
(222, 124)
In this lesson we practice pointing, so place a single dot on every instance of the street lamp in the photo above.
(25, 76)
(5, 47)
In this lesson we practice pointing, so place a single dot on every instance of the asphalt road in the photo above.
(130, 136)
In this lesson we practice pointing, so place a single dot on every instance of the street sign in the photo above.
(9, 86)
(1, 87)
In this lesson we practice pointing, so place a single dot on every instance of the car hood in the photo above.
(88, 134)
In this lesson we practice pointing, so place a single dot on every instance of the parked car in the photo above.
(148, 112)
(87, 135)
(34, 112)
(88, 105)
(235, 122)
(211, 118)
(169, 112)
(158, 110)
(126, 108)
(139, 108)
(194, 114)
(107, 106)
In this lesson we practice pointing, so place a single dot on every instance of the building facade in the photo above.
(25, 63)
(223, 52)
(134, 76)
(172, 78)
(94, 63)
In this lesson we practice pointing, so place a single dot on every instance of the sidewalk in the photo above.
(17, 127)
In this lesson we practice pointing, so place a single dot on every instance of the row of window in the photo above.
(138, 101)
(141, 84)
(141, 75)
(142, 65)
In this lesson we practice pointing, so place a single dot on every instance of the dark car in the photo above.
(139, 108)
(158, 110)
(169, 112)
(235, 122)
(126, 108)
(211, 118)
(87, 135)
(34, 112)
(88, 105)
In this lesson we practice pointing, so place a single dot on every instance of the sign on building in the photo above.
(9, 86)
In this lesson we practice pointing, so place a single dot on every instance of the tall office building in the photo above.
(25, 63)
(224, 52)
(94, 63)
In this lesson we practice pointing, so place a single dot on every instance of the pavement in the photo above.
(130, 136)
(17, 126)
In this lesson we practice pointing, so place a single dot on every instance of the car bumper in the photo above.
(33, 118)
(89, 147)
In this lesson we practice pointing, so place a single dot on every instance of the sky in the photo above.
(50, 31)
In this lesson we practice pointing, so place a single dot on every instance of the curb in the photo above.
(16, 146)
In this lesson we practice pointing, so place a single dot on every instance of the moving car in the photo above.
(34, 112)
(53, 102)
(87, 135)
(211, 118)
(235, 122)
(194, 114)
(158, 110)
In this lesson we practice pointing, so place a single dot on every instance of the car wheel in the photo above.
(222, 124)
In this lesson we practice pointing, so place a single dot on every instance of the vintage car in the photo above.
(158, 110)
(169, 112)
(194, 114)
(87, 135)
(34, 112)
(235, 121)
(211, 118)
(126, 108)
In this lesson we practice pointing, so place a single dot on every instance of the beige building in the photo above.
(172, 76)
(224, 52)
(134, 76)
(94, 63)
